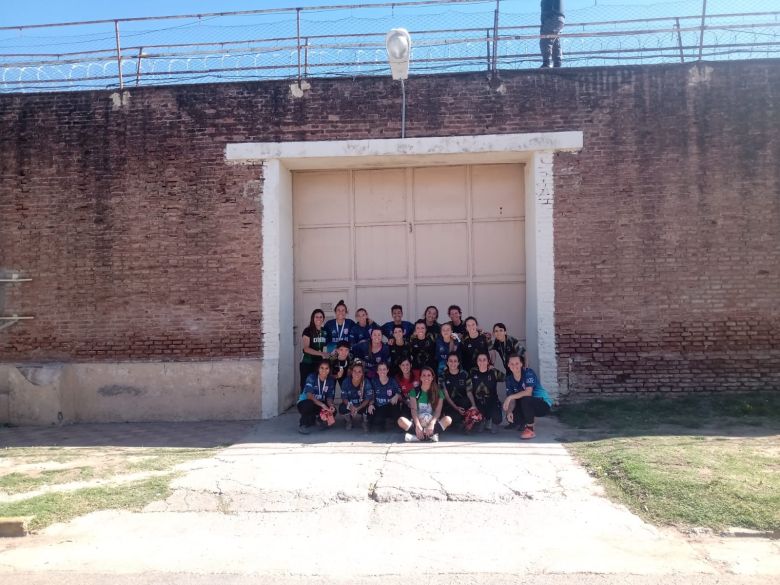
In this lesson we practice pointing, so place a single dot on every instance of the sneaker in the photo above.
(435, 437)
(304, 430)
(365, 423)
(410, 438)
(528, 433)
(489, 425)
(348, 424)
(481, 426)
(510, 427)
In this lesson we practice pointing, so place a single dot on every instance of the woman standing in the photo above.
(426, 404)
(446, 344)
(431, 317)
(339, 329)
(399, 348)
(357, 395)
(313, 342)
(317, 395)
(505, 345)
(525, 397)
(387, 398)
(373, 352)
(484, 384)
(423, 347)
(408, 379)
(361, 330)
(472, 344)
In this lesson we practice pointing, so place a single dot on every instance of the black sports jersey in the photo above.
(458, 386)
(459, 330)
(470, 349)
(423, 353)
(318, 338)
(506, 348)
(484, 384)
(399, 353)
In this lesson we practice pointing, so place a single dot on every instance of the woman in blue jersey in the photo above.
(361, 330)
(387, 398)
(313, 342)
(317, 395)
(446, 344)
(357, 396)
(373, 352)
(339, 329)
(525, 397)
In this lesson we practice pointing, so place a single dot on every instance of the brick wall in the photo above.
(144, 245)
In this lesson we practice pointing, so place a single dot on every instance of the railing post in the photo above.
(138, 66)
(701, 34)
(298, 37)
(487, 45)
(679, 39)
(118, 53)
(306, 58)
(495, 38)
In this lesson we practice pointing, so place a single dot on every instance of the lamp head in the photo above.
(399, 48)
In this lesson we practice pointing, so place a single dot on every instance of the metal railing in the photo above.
(328, 41)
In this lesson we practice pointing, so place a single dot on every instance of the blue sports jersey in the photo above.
(322, 391)
(356, 395)
(338, 332)
(383, 393)
(358, 333)
(529, 380)
(443, 349)
(371, 359)
(387, 329)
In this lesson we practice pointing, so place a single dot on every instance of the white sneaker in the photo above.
(410, 438)
(435, 437)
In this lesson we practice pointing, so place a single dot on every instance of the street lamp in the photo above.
(399, 47)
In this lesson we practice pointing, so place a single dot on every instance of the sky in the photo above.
(19, 12)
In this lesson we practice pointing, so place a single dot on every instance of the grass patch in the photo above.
(759, 409)
(63, 506)
(32, 468)
(711, 461)
(689, 480)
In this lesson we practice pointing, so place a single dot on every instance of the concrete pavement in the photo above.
(355, 508)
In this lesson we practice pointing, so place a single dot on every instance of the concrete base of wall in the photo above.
(118, 392)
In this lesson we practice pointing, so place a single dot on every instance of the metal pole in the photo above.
(138, 66)
(487, 42)
(403, 109)
(701, 34)
(679, 40)
(298, 37)
(495, 38)
(306, 58)
(118, 53)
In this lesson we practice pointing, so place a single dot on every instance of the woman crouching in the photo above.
(426, 403)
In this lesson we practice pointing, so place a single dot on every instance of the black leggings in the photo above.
(305, 369)
(490, 410)
(382, 413)
(309, 412)
(529, 407)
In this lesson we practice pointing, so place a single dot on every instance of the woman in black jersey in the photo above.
(313, 342)
(505, 345)
(484, 385)
(457, 389)
(431, 317)
(423, 347)
(472, 344)
(399, 349)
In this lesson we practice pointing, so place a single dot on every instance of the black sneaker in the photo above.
(510, 427)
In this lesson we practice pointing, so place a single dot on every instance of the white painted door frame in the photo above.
(280, 158)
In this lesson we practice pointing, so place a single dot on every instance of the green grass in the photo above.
(63, 506)
(708, 461)
(691, 411)
(16, 483)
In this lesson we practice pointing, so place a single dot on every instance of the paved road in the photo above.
(279, 507)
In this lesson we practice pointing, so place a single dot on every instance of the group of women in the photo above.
(424, 376)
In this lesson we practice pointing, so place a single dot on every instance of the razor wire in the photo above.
(349, 41)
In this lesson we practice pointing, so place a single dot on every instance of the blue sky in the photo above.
(13, 12)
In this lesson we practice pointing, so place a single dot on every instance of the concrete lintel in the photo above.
(404, 152)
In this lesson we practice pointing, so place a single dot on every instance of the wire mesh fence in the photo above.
(334, 41)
